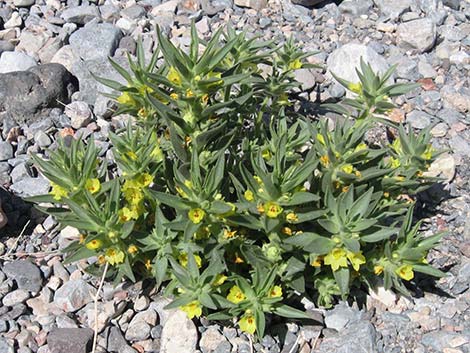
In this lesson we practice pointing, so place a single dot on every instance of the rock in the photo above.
(306, 77)
(80, 14)
(179, 334)
(307, 3)
(444, 166)
(426, 69)
(359, 337)
(210, 340)
(12, 61)
(393, 8)
(70, 340)
(42, 139)
(138, 331)
(355, 7)
(419, 119)
(73, 295)
(344, 61)
(418, 34)
(31, 42)
(30, 187)
(439, 340)
(23, 3)
(6, 46)
(26, 275)
(3, 221)
(460, 57)
(158, 304)
(341, 316)
(6, 151)
(66, 57)
(252, 4)
(79, 113)
(14, 21)
(6, 345)
(43, 87)
(117, 343)
(18, 296)
(95, 41)
(133, 12)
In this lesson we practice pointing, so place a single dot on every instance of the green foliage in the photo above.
(231, 199)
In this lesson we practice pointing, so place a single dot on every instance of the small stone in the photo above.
(26, 275)
(6, 151)
(307, 3)
(6, 345)
(23, 3)
(12, 61)
(79, 113)
(16, 297)
(96, 41)
(179, 334)
(418, 34)
(444, 166)
(393, 8)
(460, 57)
(211, 339)
(31, 187)
(341, 316)
(42, 139)
(419, 119)
(14, 21)
(70, 340)
(117, 343)
(355, 7)
(306, 78)
(138, 331)
(165, 8)
(73, 295)
(141, 303)
(440, 130)
(80, 14)
(252, 4)
(133, 12)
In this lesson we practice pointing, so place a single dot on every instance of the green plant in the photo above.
(231, 199)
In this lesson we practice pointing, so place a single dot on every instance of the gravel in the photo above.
(48, 53)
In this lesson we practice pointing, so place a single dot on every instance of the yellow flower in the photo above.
(345, 188)
(357, 173)
(58, 192)
(82, 239)
(94, 244)
(114, 256)
(132, 249)
(317, 261)
(249, 195)
(196, 215)
(355, 87)
(394, 162)
(260, 208)
(405, 272)
(397, 145)
(236, 295)
(258, 179)
(148, 264)
(378, 269)
(101, 259)
(325, 160)
(428, 153)
(219, 280)
(238, 259)
(126, 98)
(174, 95)
(347, 168)
(205, 98)
(183, 259)
(266, 154)
(112, 234)
(157, 154)
(296, 64)
(93, 185)
(126, 214)
(356, 259)
(360, 147)
(192, 309)
(189, 93)
(247, 323)
(336, 259)
(229, 233)
(292, 217)
(275, 292)
(174, 76)
(131, 155)
(144, 179)
(272, 209)
(133, 195)
(286, 231)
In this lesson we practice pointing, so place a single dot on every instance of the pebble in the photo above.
(79, 113)
(73, 295)
(179, 334)
(11, 61)
(70, 340)
(418, 34)
(25, 274)
(95, 41)
(16, 297)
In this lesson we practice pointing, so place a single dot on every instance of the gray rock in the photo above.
(42, 139)
(426, 69)
(6, 345)
(453, 4)
(3, 326)
(80, 14)
(95, 41)
(452, 33)
(418, 119)
(307, 3)
(89, 87)
(138, 331)
(344, 61)
(253, 4)
(70, 340)
(306, 78)
(406, 69)
(440, 339)
(341, 316)
(393, 8)
(73, 295)
(17, 296)
(359, 337)
(66, 56)
(6, 150)
(30, 95)
(23, 3)
(12, 61)
(212, 7)
(6, 46)
(418, 34)
(26, 275)
(210, 340)
(133, 12)
(355, 7)
(179, 334)
(116, 341)
(79, 113)
(31, 187)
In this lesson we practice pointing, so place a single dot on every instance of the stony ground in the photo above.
(48, 49)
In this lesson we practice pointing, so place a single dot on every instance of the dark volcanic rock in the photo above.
(29, 95)
(70, 340)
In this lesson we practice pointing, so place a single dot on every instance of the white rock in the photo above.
(418, 34)
(66, 57)
(70, 233)
(11, 61)
(443, 166)
(460, 57)
(73, 295)
(167, 6)
(14, 21)
(79, 113)
(16, 297)
(179, 334)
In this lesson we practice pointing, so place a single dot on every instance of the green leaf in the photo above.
(300, 198)
(170, 200)
(80, 254)
(342, 279)
(290, 312)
